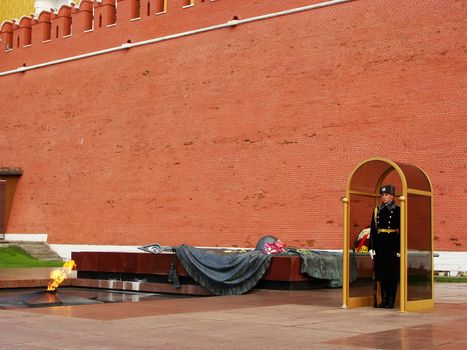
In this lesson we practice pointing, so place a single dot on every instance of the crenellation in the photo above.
(160, 6)
(175, 5)
(82, 17)
(41, 28)
(61, 22)
(90, 15)
(6, 35)
(127, 10)
(22, 32)
(104, 13)
(87, 24)
(148, 8)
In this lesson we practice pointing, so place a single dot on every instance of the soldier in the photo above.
(385, 245)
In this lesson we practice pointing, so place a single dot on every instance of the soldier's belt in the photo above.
(387, 230)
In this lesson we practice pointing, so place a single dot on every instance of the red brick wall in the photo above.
(222, 137)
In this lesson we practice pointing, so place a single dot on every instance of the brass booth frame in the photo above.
(414, 194)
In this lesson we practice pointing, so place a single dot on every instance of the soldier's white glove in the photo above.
(398, 255)
(372, 253)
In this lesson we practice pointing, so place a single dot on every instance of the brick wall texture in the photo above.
(219, 138)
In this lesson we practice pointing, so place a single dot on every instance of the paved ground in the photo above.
(258, 320)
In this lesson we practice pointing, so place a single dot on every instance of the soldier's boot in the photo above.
(390, 303)
(384, 296)
(392, 288)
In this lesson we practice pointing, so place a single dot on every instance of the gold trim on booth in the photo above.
(403, 253)
(360, 301)
(419, 305)
(345, 256)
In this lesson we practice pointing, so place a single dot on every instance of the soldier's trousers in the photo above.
(388, 290)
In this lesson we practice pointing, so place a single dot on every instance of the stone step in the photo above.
(38, 250)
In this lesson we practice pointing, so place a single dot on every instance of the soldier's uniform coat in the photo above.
(386, 244)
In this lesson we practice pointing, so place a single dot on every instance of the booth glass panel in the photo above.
(416, 179)
(419, 247)
(360, 265)
(366, 177)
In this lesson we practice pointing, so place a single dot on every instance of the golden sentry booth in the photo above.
(414, 196)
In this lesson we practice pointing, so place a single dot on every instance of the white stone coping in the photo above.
(31, 237)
